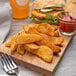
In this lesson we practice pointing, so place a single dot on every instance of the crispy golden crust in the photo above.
(31, 47)
(27, 38)
(38, 4)
(12, 39)
(45, 53)
(44, 41)
(20, 49)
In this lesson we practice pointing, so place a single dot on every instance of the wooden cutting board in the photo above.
(35, 63)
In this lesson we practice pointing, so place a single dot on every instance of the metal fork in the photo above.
(8, 65)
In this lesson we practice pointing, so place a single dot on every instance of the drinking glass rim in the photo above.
(18, 7)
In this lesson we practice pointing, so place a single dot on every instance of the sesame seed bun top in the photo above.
(39, 4)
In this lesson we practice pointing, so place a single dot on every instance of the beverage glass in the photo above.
(20, 8)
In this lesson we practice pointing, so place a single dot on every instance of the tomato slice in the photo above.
(38, 10)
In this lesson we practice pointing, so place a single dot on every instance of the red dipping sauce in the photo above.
(67, 22)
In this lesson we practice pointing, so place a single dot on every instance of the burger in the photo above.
(46, 10)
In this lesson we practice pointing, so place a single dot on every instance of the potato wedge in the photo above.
(20, 49)
(56, 40)
(26, 28)
(54, 27)
(31, 47)
(12, 39)
(13, 46)
(56, 49)
(46, 28)
(43, 28)
(12, 43)
(56, 33)
(33, 31)
(27, 38)
(8, 43)
(44, 41)
(35, 26)
(45, 53)
(22, 32)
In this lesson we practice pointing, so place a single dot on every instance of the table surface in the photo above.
(67, 66)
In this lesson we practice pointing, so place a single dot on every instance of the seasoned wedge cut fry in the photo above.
(10, 41)
(13, 46)
(31, 47)
(33, 31)
(43, 28)
(35, 26)
(54, 27)
(45, 53)
(56, 40)
(27, 38)
(44, 41)
(39, 39)
(22, 32)
(51, 33)
(20, 49)
(26, 28)
(56, 33)
(46, 28)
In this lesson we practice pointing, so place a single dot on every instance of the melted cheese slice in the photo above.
(40, 14)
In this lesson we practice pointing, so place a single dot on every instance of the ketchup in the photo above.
(68, 18)
(67, 23)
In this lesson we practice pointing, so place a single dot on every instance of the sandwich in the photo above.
(46, 10)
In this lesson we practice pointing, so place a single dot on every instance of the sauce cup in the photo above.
(66, 26)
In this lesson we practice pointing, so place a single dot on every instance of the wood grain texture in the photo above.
(35, 63)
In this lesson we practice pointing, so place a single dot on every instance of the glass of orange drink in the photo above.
(20, 8)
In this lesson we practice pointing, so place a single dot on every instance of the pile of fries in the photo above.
(42, 40)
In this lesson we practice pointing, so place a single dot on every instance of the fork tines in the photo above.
(7, 62)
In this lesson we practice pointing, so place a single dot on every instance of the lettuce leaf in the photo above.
(52, 18)
(47, 18)
(32, 18)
